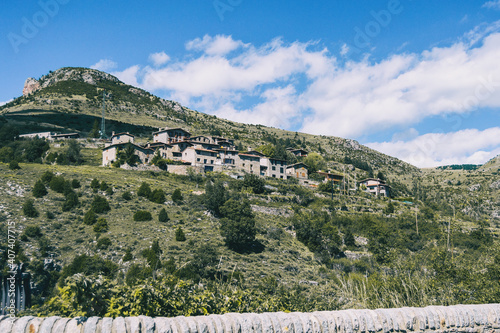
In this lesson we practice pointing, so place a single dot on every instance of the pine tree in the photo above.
(163, 216)
(39, 189)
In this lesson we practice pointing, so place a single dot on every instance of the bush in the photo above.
(179, 235)
(71, 201)
(109, 191)
(177, 196)
(100, 205)
(142, 215)
(163, 216)
(157, 196)
(238, 224)
(101, 225)
(94, 184)
(144, 190)
(49, 215)
(103, 243)
(90, 218)
(47, 177)
(29, 209)
(75, 183)
(127, 196)
(255, 183)
(103, 186)
(39, 189)
(128, 255)
(13, 165)
(33, 231)
(57, 184)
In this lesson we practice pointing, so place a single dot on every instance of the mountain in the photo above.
(76, 93)
(149, 242)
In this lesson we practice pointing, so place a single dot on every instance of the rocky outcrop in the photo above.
(30, 86)
(456, 319)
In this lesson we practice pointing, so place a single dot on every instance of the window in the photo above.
(273, 168)
(205, 161)
(274, 176)
(197, 159)
(211, 161)
(281, 170)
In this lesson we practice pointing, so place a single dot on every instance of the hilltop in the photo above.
(435, 242)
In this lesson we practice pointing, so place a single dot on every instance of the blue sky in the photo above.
(416, 79)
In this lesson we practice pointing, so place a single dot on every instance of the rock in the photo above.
(30, 86)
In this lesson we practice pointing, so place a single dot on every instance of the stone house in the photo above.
(200, 157)
(297, 170)
(110, 153)
(298, 152)
(248, 163)
(272, 167)
(170, 135)
(122, 138)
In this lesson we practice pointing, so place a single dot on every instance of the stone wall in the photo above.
(459, 318)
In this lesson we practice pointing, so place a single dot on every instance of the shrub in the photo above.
(238, 224)
(255, 183)
(47, 177)
(94, 184)
(90, 218)
(109, 191)
(89, 265)
(142, 215)
(13, 165)
(103, 186)
(101, 225)
(100, 205)
(163, 216)
(29, 209)
(157, 196)
(179, 235)
(144, 190)
(128, 255)
(49, 215)
(39, 189)
(127, 196)
(177, 196)
(57, 184)
(75, 183)
(33, 231)
(71, 201)
(103, 243)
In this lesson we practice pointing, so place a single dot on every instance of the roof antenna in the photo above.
(103, 122)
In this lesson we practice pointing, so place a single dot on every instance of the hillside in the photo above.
(297, 248)
(72, 98)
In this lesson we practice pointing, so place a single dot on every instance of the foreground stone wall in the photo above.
(459, 318)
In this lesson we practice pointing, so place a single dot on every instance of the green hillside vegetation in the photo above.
(128, 242)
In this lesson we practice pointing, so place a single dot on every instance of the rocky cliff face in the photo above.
(30, 86)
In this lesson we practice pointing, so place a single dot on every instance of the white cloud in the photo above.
(3, 103)
(469, 146)
(104, 65)
(344, 49)
(495, 4)
(129, 75)
(218, 45)
(159, 58)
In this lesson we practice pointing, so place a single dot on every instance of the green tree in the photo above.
(157, 196)
(315, 162)
(94, 133)
(29, 209)
(101, 225)
(215, 196)
(255, 183)
(177, 196)
(70, 202)
(144, 190)
(103, 243)
(57, 184)
(39, 189)
(47, 177)
(238, 224)
(179, 235)
(100, 205)
(95, 184)
(142, 215)
(14, 165)
(163, 216)
(127, 195)
(90, 218)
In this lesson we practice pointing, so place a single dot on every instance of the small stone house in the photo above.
(248, 163)
(170, 135)
(110, 153)
(122, 138)
(297, 170)
(272, 167)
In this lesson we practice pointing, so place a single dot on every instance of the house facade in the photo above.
(200, 157)
(110, 153)
(297, 170)
(248, 163)
(117, 138)
(375, 186)
(272, 167)
(170, 135)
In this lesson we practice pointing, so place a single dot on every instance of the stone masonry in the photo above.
(459, 318)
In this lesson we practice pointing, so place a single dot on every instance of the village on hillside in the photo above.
(218, 154)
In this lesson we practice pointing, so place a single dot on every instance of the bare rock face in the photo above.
(30, 86)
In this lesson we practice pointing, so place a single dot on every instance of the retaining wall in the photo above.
(459, 318)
